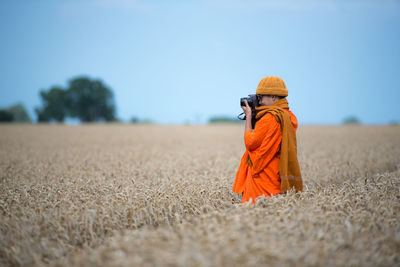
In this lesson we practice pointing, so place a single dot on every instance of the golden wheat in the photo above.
(161, 195)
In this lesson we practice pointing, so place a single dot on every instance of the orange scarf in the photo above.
(289, 169)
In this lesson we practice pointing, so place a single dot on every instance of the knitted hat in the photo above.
(272, 85)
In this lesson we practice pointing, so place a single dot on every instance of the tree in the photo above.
(90, 100)
(15, 113)
(19, 113)
(6, 115)
(55, 105)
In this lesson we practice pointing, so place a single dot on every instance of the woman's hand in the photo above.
(247, 112)
(247, 109)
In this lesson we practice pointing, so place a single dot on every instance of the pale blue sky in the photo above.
(184, 61)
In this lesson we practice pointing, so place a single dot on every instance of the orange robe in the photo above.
(263, 146)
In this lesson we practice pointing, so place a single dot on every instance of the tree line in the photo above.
(89, 101)
(86, 99)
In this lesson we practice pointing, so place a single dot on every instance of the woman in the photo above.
(269, 165)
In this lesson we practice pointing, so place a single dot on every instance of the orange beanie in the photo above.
(272, 85)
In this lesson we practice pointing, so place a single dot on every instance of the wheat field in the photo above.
(151, 195)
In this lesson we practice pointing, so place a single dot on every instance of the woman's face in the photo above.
(267, 100)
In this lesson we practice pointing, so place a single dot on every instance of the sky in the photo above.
(179, 61)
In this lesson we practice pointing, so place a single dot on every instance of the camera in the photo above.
(252, 100)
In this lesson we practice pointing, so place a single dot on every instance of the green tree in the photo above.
(6, 115)
(19, 113)
(55, 105)
(15, 113)
(90, 100)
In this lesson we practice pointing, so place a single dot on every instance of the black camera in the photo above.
(253, 101)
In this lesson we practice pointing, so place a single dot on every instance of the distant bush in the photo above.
(135, 119)
(224, 119)
(351, 120)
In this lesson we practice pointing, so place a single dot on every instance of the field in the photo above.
(148, 195)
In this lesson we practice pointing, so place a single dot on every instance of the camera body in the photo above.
(253, 102)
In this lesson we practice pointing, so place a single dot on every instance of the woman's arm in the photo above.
(248, 113)
(264, 142)
(264, 129)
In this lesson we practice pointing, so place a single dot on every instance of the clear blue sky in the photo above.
(184, 61)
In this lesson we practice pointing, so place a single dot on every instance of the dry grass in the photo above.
(161, 195)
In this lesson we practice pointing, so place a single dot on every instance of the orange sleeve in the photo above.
(265, 127)
(264, 142)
